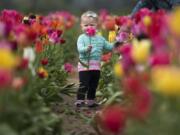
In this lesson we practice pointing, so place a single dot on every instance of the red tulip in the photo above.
(5, 78)
(106, 57)
(131, 85)
(62, 41)
(113, 119)
(141, 104)
(123, 20)
(109, 23)
(140, 97)
(44, 61)
(39, 47)
(24, 63)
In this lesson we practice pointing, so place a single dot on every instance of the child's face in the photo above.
(88, 22)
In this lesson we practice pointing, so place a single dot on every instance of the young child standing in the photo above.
(90, 48)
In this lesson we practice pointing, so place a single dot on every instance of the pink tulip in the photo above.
(11, 17)
(55, 36)
(68, 67)
(2, 29)
(18, 83)
(160, 58)
(122, 36)
(103, 14)
(90, 31)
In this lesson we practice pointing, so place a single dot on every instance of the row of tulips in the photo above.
(148, 73)
(33, 72)
(20, 33)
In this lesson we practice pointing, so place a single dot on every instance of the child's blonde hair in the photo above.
(90, 14)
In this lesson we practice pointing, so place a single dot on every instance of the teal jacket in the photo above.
(98, 45)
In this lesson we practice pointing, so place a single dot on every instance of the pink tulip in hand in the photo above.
(90, 31)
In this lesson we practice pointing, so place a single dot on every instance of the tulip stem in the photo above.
(89, 53)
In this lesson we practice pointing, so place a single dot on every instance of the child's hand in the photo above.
(117, 44)
(89, 48)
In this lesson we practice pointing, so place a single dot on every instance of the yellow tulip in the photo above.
(118, 70)
(112, 36)
(99, 33)
(175, 21)
(141, 51)
(42, 72)
(7, 59)
(166, 80)
(147, 20)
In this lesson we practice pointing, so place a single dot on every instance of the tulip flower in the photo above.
(160, 58)
(29, 54)
(147, 20)
(106, 57)
(23, 63)
(111, 36)
(68, 67)
(38, 46)
(5, 78)
(113, 119)
(174, 21)
(122, 37)
(44, 61)
(17, 83)
(2, 29)
(118, 70)
(141, 51)
(7, 59)
(166, 80)
(90, 31)
(42, 73)
(11, 17)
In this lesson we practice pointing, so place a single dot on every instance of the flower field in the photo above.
(138, 91)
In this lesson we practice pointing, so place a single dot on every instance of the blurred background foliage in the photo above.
(74, 6)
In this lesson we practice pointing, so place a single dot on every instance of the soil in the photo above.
(75, 121)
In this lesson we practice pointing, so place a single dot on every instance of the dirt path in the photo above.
(74, 122)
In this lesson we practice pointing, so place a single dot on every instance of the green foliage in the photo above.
(70, 47)
(52, 88)
(109, 89)
(6, 130)
(27, 111)
(163, 120)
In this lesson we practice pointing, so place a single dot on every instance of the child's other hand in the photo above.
(89, 48)
(117, 44)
